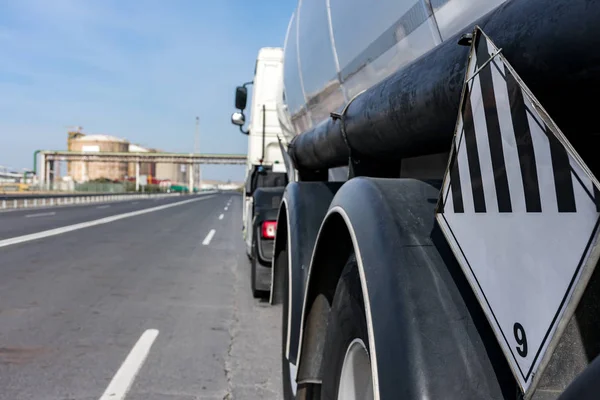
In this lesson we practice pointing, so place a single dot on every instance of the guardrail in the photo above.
(29, 200)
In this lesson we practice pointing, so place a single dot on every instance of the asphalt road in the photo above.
(146, 302)
(30, 220)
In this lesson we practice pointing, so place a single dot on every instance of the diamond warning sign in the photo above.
(520, 211)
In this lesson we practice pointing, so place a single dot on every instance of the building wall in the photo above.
(72, 136)
(81, 172)
(146, 168)
(85, 171)
(172, 172)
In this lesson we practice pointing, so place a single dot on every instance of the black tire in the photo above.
(347, 322)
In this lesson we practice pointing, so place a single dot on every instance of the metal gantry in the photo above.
(9, 175)
(49, 157)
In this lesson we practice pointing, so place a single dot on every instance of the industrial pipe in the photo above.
(35, 155)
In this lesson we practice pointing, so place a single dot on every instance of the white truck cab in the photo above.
(264, 127)
(265, 167)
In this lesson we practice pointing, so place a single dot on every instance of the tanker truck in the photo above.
(438, 237)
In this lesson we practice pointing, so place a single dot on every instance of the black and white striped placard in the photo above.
(505, 140)
(519, 209)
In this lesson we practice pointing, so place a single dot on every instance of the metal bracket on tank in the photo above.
(466, 39)
(358, 166)
(489, 60)
(342, 118)
(287, 161)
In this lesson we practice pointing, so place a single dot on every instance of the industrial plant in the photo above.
(82, 171)
(99, 162)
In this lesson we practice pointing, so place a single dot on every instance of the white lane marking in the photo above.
(81, 225)
(209, 237)
(121, 382)
(106, 206)
(226, 208)
(135, 202)
(221, 216)
(47, 214)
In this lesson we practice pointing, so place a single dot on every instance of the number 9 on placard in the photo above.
(521, 339)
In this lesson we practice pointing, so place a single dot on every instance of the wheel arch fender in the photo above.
(428, 337)
(302, 209)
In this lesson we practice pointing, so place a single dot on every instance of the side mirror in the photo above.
(241, 96)
(238, 119)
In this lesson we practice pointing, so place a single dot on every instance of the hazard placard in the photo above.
(520, 211)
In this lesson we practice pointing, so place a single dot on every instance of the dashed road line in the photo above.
(221, 216)
(47, 214)
(123, 379)
(81, 225)
(209, 237)
(100, 207)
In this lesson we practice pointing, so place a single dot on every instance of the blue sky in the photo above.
(138, 69)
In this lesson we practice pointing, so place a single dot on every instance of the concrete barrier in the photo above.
(18, 201)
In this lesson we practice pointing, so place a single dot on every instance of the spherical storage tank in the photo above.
(86, 171)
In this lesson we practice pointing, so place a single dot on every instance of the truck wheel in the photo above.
(347, 364)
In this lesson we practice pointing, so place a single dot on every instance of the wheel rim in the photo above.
(356, 382)
(293, 383)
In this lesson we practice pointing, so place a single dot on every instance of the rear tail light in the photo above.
(268, 229)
